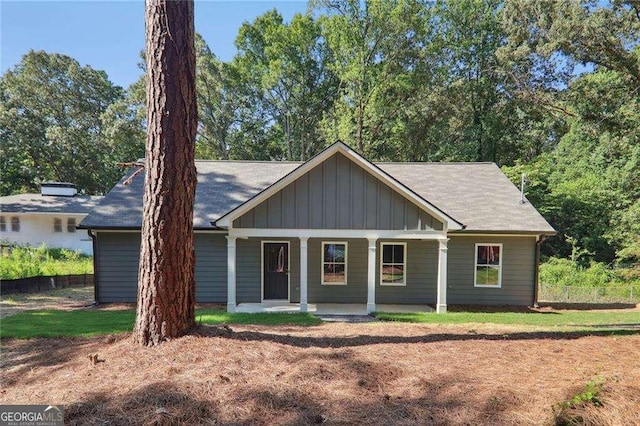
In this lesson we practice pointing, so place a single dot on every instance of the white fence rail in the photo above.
(609, 294)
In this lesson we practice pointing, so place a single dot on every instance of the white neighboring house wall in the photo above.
(49, 218)
(39, 228)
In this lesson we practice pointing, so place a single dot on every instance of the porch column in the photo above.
(231, 274)
(303, 274)
(371, 276)
(441, 305)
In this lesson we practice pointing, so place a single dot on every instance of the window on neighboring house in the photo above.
(334, 263)
(393, 264)
(15, 224)
(71, 224)
(57, 224)
(3, 224)
(488, 271)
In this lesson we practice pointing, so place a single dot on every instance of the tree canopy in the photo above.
(550, 89)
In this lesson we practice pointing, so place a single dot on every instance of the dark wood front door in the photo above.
(276, 271)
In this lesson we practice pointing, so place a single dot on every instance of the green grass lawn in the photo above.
(56, 323)
(547, 319)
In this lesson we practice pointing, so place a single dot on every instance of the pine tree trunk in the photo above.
(166, 285)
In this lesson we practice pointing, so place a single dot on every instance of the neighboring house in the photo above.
(47, 218)
(339, 229)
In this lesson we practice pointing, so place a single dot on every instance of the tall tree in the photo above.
(166, 284)
(284, 68)
(366, 40)
(53, 123)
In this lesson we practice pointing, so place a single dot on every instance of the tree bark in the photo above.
(166, 285)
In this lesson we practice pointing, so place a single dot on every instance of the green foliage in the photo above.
(82, 323)
(547, 88)
(566, 273)
(24, 262)
(62, 121)
(591, 395)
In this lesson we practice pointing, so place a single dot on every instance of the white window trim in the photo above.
(346, 262)
(75, 223)
(475, 265)
(404, 264)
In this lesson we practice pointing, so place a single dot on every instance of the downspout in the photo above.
(536, 271)
(95, 264)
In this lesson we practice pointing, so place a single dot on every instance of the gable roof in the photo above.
(476, 196)
(37, 203)
(339, 147)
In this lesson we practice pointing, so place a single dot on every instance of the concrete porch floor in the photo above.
(328, 308)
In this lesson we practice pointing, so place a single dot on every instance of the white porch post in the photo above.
(371, 276)
(231, 274)
(441, 305)
(303, 274)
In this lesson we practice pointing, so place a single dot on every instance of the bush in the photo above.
(23, 262)
(565, 273)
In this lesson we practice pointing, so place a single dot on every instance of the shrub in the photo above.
(23, 262)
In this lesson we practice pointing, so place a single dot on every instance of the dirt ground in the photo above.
(64, 298)
(335, 373)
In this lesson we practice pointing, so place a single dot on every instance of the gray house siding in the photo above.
(117, 267)
(337, 194)
(518, 265)
(421, 275)
(249, 269)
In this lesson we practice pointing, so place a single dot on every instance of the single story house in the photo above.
(339, 229)
(50, 217)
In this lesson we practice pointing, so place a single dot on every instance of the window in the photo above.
(15, 224)
(334, 263)
(3, 224)
(57, 225)
(71, 224)
(393, 264)
(488, 271)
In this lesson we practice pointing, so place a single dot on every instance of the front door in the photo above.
(276, 271)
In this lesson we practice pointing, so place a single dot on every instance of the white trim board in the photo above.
(335, 233)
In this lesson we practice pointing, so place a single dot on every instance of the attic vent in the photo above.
(60, 189)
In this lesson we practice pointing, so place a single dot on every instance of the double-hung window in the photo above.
(393, 264)
(71, 224)
(334, 263)
(3, 224)
(15, 224)
(57, 224)
(488, 272)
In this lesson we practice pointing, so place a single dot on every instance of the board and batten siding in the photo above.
(518, 266)
(338, 194)
(117, 260)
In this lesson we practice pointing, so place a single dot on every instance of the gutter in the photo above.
(95, 263)
(536, 271)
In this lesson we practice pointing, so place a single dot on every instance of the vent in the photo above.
(59, 189)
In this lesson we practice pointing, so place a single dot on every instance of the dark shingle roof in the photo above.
(36, 203)
(478, 195)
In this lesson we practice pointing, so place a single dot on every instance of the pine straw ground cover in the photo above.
(334, 373)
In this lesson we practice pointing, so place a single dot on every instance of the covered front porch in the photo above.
(362, 291)
(327, 308)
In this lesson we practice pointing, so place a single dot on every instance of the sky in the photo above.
(109, 35)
